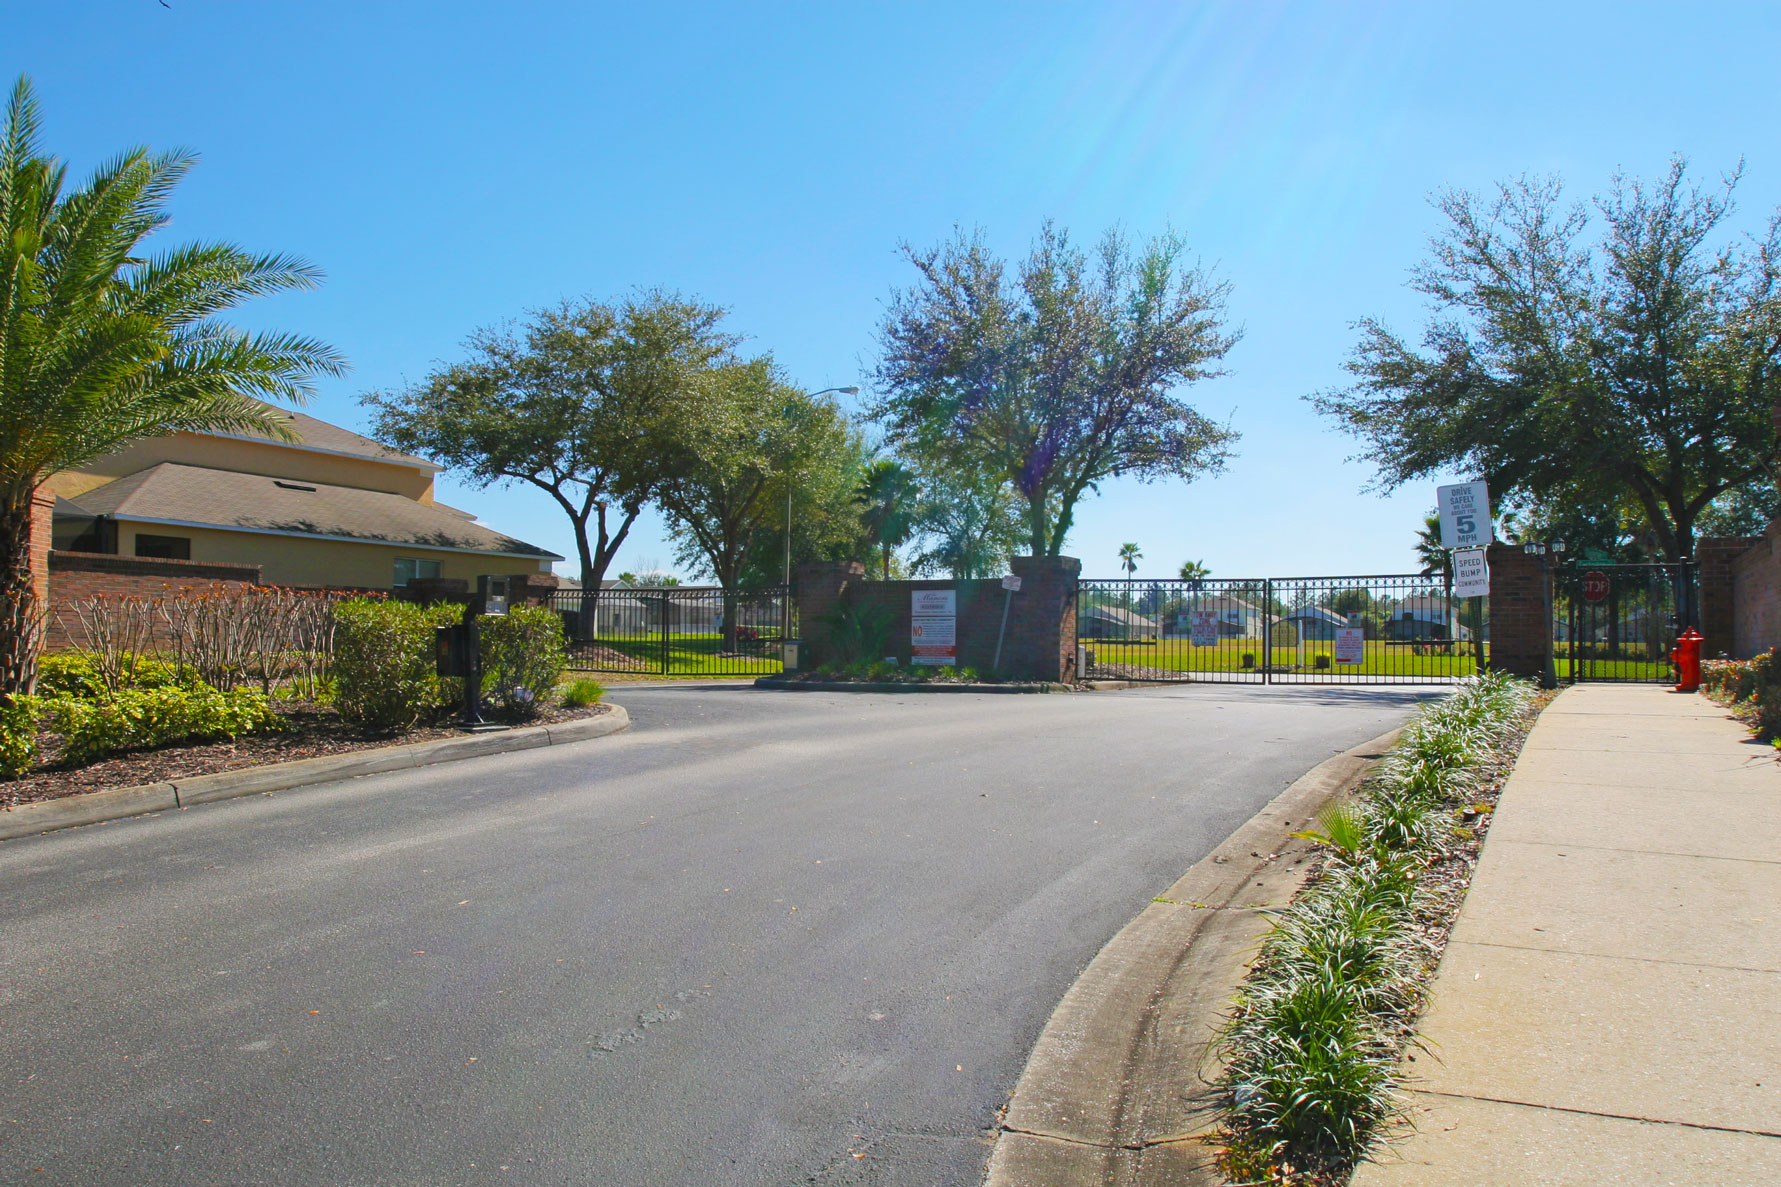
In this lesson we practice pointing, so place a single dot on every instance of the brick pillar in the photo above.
(43, 509)
(1718, 608)
(1041, 641)
(1520, 628)
(532, 589)
(819, 587)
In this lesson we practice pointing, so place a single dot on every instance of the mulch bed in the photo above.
(314, 732)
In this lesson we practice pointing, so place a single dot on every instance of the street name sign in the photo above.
(1465, 515)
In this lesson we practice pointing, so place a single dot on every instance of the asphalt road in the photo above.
(761, 938)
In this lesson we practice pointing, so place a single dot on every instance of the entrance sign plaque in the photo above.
(933, 627)
(1351, 645)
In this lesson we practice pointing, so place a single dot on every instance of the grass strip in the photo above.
(1312, 1045)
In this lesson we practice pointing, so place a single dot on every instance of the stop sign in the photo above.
(1595, 586)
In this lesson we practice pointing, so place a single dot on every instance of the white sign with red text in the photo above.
(933, 627)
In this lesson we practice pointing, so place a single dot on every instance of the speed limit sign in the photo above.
(1595, 586)
(1464, 508)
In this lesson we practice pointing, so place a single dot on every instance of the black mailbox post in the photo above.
(458, 649)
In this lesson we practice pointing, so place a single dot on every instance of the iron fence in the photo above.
(1616, 623)
(676, 630)
(1397, 628)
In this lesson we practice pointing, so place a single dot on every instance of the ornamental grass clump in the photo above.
(1311, 1045)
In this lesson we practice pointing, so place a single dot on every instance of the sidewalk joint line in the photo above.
(1523, 1104)
(1687, 964)
(1763, 861)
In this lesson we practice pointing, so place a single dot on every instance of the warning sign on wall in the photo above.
(933, 627)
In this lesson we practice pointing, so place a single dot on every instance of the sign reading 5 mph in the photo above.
(1465, 515)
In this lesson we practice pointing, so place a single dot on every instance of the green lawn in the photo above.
(1229, 656)
(688, 655)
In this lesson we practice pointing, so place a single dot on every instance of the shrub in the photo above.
(1753, 683)
(79, 674)
(143, 718)
(384, 677)
(18, 734)
(523, 654)
(582, 693)
(855, 634)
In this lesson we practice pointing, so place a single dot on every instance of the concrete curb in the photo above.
(1109, 1093)
(117, 803)
(885, 686)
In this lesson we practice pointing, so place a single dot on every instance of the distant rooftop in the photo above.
(330, 438)
(198, 497)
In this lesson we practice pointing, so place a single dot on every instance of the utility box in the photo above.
(494, 594)
(451, 650)
(788, 654)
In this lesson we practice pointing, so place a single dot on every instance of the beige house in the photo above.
(334, 509)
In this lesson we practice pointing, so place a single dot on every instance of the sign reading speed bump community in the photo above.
(933, 627)
(1471, 574)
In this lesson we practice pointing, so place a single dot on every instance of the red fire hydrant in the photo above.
(1687, 658)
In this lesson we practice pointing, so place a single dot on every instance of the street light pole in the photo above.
(785, 616)
(846, 391)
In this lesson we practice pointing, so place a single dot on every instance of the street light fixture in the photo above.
(845, 391)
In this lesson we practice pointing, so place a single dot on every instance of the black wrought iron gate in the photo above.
(1389, 629)
(1618, 622)
(676, 630)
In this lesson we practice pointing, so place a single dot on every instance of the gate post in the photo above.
(1520, 613)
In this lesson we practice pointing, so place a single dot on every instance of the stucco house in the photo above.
(1237, 618)
(333, 509)
(1317, 623)
(1424, 617)
(1113, 622)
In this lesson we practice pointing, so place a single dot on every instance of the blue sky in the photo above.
(450, 165)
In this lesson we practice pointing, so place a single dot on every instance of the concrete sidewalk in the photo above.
(1609, 1008)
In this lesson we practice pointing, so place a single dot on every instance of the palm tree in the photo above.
(887, 497)
(1129, 556)
(1194, 571)
(102, 345)
(1435, 559)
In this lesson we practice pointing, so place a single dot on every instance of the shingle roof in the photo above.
(319, 434)
(172, 493)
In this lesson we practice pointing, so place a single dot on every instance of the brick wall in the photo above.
(1520, 625)
(1756, 597)
(76, 575)
(1040, 641)
(1716, 556)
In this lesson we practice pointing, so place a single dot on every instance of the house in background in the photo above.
(1113, 622)
(1317, 623)
(334, 509)
(1424, 617)
(1237, 618)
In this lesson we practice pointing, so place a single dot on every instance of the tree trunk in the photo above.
(21, 618)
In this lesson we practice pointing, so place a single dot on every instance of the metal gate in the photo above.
(676, 630)
(1617, 622)
(1279, 630)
